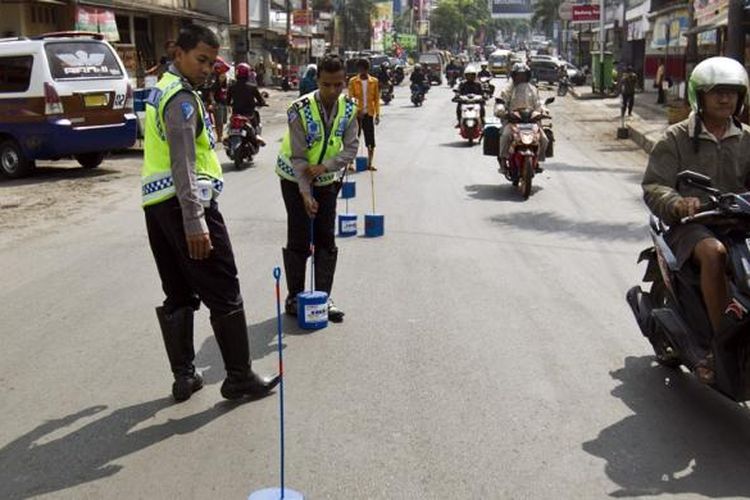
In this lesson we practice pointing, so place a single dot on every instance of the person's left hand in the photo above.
(377, 120)
(315, 170)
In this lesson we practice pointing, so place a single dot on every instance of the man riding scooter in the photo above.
(520, 94)
(470, 85)
(244, 97)
(713, 142)
(418, 80)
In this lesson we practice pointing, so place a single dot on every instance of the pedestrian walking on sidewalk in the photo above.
(628, 82)
(181, 179)
(320, 142)
(365, 90)
(660, 84)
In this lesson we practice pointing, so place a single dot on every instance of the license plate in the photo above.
(95, 100)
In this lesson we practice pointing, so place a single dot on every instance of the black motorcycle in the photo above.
(417, 94)
(398, 75)
(672, 315)
(386, 93)
(563, 84)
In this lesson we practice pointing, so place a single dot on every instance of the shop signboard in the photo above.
(97, 20)
(586, 13)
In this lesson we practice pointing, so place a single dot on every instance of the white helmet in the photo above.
(470, 70)
(717, 71)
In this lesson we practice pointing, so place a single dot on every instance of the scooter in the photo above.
(452, 76)
(471, 124)
(242, 142)
(398, 75)
(523, 159)
(563, 85)
(386, 93)
(672, 315)
(417, 94)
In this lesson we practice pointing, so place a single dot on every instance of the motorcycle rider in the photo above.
(470, 85)
(452, 67)
(711, 141)
(384, 76)
(244, 97)
(520, 94)
(484, 72)
(418, 79)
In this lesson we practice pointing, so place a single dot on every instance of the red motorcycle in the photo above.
(523, 159)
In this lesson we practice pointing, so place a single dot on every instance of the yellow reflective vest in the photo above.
(319, 147)
(157, 184)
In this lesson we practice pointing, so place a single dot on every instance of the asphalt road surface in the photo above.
(487, 351)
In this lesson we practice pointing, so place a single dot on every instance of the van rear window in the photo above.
(15, 73)
(82, 60)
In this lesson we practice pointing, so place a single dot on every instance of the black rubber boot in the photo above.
(295, 264)
(231, 335)
(177, 332)
(325, 269)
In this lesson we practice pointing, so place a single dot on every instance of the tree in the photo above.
(355, 15)
(545, 14)
(453, 20)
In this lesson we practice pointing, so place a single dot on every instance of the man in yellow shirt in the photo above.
(365, 91)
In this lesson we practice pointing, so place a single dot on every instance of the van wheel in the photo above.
(13, 163)
(90, 160)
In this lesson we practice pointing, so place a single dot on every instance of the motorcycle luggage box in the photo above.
(491, 140)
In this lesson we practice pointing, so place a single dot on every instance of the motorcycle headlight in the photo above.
(470, 123)
(527, 139)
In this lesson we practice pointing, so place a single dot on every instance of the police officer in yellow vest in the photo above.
(320, 143)
(180, 181)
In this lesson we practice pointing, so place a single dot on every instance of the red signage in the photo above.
(302, 17)
(586, 13)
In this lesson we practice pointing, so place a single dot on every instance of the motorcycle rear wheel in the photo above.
(239, 164)
(527, 173)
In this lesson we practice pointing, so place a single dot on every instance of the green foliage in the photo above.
(356, 18)
(452, 20)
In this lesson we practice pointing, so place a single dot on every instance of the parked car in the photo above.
(543, 70)
(62, 94)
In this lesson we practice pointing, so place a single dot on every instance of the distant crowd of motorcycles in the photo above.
(527, 125)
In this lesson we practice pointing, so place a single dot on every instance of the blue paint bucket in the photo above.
(312, 310)
(374, 225)
(347, 225)
(348, 189)
(361, 163)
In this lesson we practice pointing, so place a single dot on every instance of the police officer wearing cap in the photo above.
(181, 179)
(320, 142)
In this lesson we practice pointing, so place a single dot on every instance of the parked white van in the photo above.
(62, 94)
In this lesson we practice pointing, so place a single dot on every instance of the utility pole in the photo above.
(735, 31)
(601, 46)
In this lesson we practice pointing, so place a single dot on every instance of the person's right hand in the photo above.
(199, 245)
(687, 207)
(311, 205)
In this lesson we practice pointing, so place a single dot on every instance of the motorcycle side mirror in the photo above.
(694, 179)
(549, 100)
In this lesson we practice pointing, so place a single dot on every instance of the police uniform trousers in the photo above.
(298, 237)
(186, 281)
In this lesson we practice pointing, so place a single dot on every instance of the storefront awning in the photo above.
(720, 21)
(154, 9)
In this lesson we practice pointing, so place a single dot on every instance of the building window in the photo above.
(123, 28)
(43, 14)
